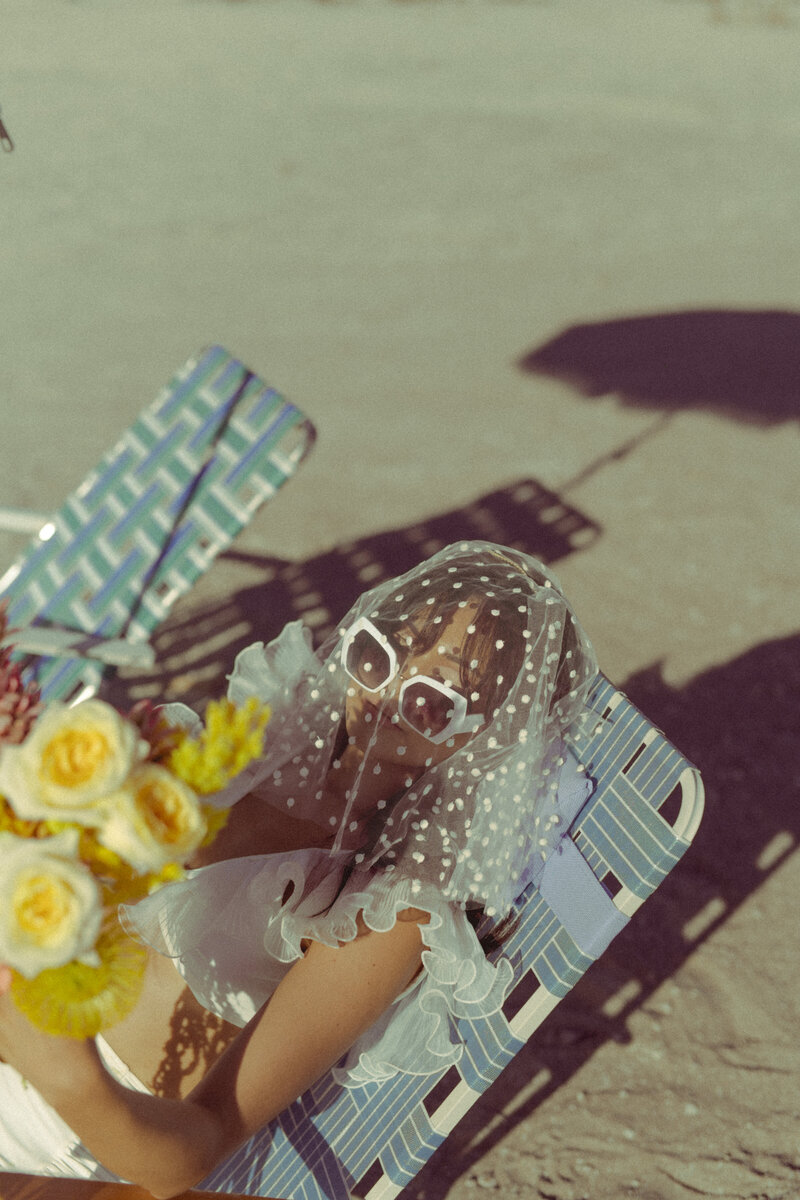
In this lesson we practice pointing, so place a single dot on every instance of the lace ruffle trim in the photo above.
(417, 1035)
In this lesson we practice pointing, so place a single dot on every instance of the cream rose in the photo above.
(153, 820)
(50, 905)
(70, 762)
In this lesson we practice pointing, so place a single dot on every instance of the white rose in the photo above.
(50, 905)
(153, 820)
(70, 762)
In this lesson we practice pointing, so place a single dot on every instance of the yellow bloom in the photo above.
(216, 820)
(50, 905)
(231, 739)
(155, 819)
(80, 1001)
(70, 762)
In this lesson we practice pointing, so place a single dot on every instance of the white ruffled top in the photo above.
(234, 929)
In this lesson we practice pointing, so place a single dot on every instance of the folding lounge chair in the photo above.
(177, 488)
(370, 1141)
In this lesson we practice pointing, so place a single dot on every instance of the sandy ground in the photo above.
(492, 248)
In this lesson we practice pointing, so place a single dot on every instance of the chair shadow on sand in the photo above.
(736, 723)
(744, 365)
(196, 647)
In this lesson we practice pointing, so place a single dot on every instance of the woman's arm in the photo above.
(324, 1003)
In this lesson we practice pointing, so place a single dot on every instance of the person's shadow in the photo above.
(742, 364)
(737, 723)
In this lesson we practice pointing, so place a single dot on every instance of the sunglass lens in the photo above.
(426, 709)
(367, 660)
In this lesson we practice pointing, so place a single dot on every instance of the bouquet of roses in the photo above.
(98, 809)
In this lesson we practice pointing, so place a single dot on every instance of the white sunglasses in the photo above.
(432, 708)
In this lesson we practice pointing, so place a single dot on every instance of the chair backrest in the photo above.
(371, 1141)
(149, 520)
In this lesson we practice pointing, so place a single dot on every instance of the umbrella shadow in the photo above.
(196, 647)
(736, 723)
(741, 364)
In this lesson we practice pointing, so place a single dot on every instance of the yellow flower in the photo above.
(79, 1000)
(231, 739)
(70, 762)
(154, 819)
(50, 905)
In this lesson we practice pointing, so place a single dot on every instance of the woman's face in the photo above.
(372, 719)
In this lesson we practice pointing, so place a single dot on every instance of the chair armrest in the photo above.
(53, 642)
(22, 520)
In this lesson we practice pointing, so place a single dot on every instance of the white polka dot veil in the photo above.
(467, 813)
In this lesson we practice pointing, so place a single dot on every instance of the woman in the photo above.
(409, 783)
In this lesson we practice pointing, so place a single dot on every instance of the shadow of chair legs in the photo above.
(196, 647)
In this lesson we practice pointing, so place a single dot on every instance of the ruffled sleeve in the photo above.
(234, 929)
(274, 674)
(418, 1035)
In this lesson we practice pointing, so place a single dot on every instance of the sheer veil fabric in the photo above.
(468, 815)
(426, 743)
